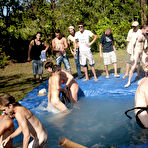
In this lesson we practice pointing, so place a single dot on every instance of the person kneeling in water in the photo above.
(141, 100)
(71, 86)
(29, 124)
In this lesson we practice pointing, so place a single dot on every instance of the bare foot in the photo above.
(85, 80)
(127, 85)
(125, 76)
(96, 80)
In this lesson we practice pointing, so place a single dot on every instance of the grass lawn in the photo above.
(16, 78)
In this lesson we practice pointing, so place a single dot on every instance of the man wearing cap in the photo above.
(131, 38)
(137, 52)
(83, 37)
(71, 39)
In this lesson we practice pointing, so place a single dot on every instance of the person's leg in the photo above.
(86, 73)
(74, 92)
(132, 71)
(91, 61)
(106, 71)
(59, 59)
(84, 65)
(34, 69)
(40, 70)
(128, 63)
(78, 67)
(58, 104)
(66, 63)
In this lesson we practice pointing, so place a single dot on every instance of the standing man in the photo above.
(137, 52)
(59, 45)
(109, 51)
(29, 124)
(35, 48)
(83, 37)
(71, 38)
(131, 38)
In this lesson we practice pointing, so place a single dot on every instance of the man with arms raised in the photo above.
(29, 124)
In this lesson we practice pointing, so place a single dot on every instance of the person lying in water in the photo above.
(141, 100)
(6, 129)
(54, 90)
(29, 124)
(71, 86)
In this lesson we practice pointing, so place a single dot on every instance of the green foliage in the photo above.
(25, 18)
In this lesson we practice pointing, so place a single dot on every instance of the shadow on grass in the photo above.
(16, 85)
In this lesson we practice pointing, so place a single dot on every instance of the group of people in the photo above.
(80, 47)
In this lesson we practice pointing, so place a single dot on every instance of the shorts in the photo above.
(37, 67)
(86, 56)
(128, 59)
(109, 57)
(64, 59)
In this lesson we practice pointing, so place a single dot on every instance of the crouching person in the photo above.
(29, 124)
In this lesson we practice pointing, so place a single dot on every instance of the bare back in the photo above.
(32, 122)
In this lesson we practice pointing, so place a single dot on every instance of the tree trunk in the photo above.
(143, 4)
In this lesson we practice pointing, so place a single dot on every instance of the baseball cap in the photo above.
(135, 23)
(71, 27)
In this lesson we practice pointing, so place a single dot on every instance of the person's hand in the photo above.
(101, 55)
(88, 44)
(132, 58)
(4, 142)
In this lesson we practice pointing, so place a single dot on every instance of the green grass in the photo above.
(16, 78)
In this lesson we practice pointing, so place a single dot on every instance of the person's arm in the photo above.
(94, 39)
(14, 134)
(65, 43)
(100, 49)
(68, 41)
(54, 45)
(46, 46)
(49, 90)
(29, 50)
(4, 125)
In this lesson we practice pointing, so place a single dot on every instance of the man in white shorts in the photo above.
(109, 50)
(83, 37)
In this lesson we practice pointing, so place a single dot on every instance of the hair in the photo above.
(57, 31)
(81, 23)
(48, 64)
(39, 33)
(146, 66)
(6, 99)
(146, 49)
(144, 26)
(56, 68)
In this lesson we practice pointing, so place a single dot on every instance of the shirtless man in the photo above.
(54, 90)
(59, 45)
(137, 52)
(29, 124)
(6, 129)
(71, 85)
(141, 100)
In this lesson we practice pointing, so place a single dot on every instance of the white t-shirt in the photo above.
(83, 38)
(71, 38)
(131, 38)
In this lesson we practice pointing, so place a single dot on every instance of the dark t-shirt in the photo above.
(36, 51)
(107, 42)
